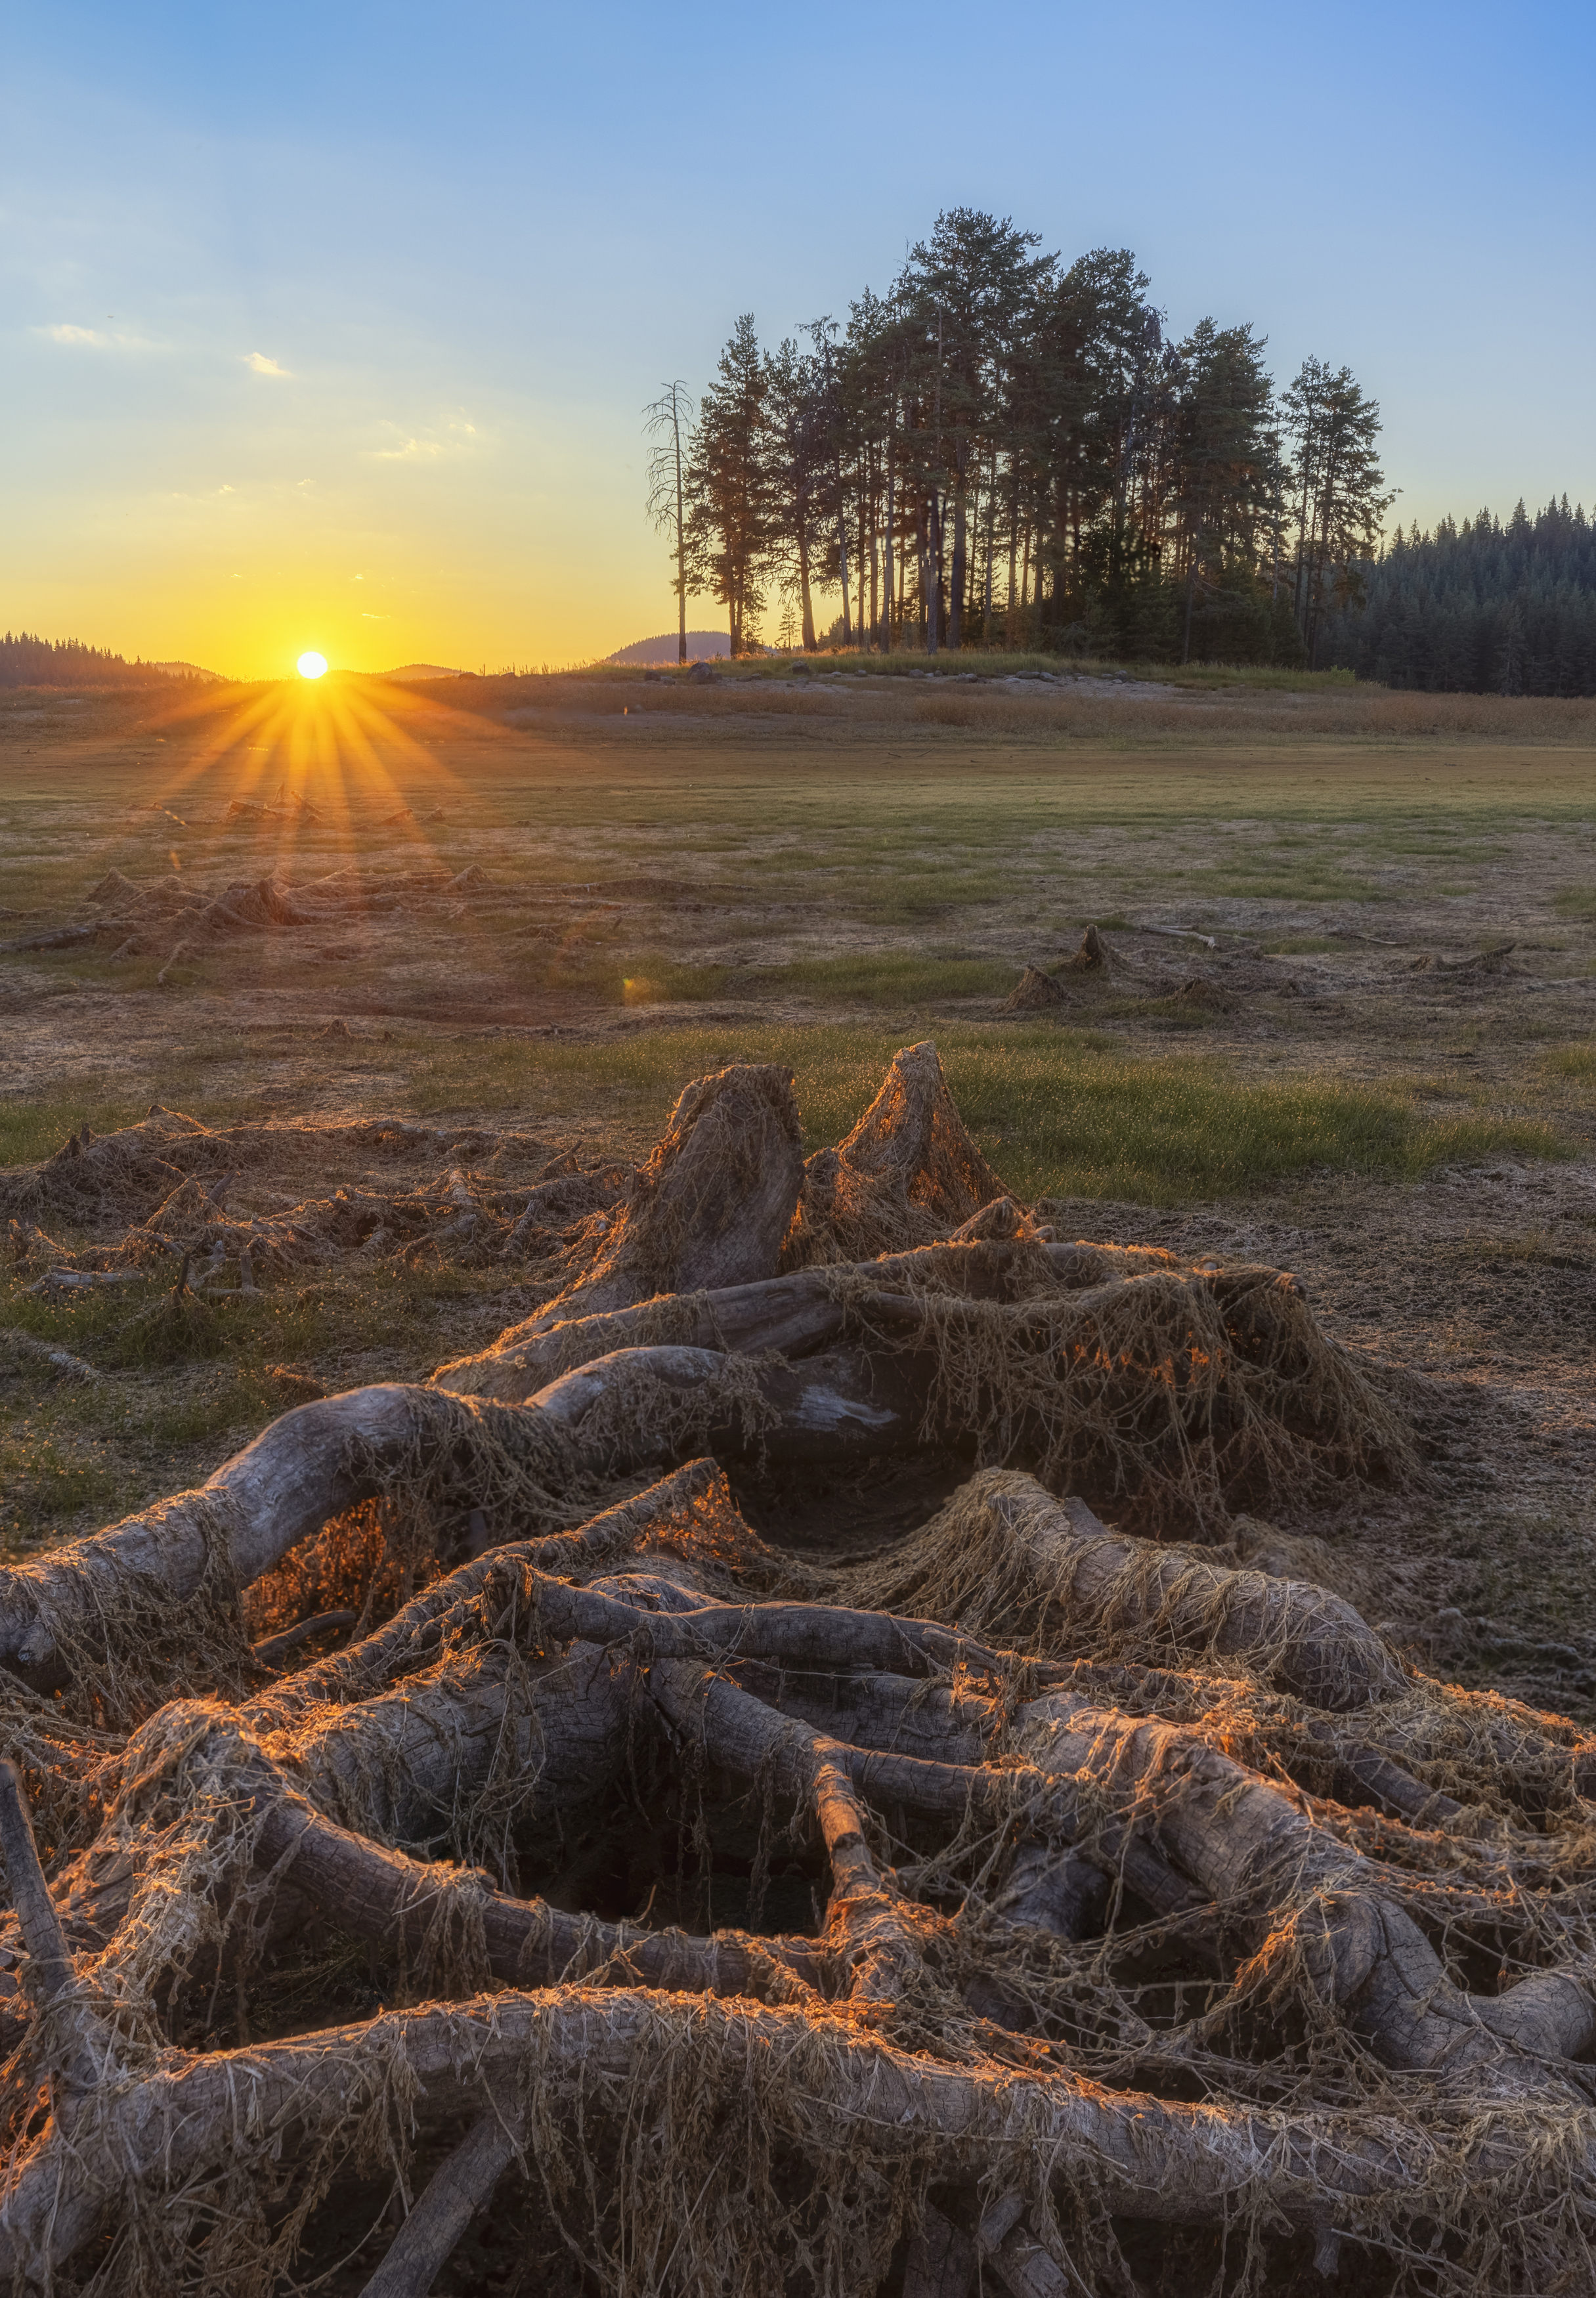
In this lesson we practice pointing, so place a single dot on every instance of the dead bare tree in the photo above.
(664, 419)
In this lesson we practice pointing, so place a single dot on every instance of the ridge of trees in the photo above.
(1005, 450)
(27, 660)
(1479, 607)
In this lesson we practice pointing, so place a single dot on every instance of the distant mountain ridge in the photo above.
(414, 670)
(701, 645)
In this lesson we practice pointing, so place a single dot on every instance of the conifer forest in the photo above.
(1005, 450)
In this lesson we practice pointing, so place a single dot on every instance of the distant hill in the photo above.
(26, 660)
(419, 670)
(701, 645)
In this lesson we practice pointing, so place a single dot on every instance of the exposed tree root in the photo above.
(1032, 1900)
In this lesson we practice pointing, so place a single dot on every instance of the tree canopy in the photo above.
(1005, 450)
(1480, 608)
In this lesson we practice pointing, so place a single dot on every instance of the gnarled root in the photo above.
(1046, 2055)
(751, 1921)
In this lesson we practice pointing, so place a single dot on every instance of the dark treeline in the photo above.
(1479, 609)
(1004, 449)
(26, 661)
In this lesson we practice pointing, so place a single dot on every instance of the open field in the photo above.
(1346, 1023)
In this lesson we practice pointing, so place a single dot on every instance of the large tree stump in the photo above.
(1031, 1901)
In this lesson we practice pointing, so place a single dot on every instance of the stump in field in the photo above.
(1026, 1902)
(1089, 955)
(1033, 993)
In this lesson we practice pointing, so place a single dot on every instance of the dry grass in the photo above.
(1151, 709)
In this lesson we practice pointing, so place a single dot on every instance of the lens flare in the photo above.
(312, 666)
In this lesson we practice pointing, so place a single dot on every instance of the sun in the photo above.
(312, 666)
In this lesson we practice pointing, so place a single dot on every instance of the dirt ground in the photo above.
(545, 915)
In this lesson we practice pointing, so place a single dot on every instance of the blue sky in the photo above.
(474, 241)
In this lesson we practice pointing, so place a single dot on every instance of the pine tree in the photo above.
(728, 488)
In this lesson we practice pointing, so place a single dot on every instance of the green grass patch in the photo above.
(49, 1478)
(879, 978)
(33, 1129)
(1057, 1111)
(1575, 1061)
(1577, 902)
(887, 977)
(1310, 881)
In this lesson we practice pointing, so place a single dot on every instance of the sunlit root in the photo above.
(1014, 1901)
(908, 1172)
(1008, 1560)
(710, 1206)
(906, 1752)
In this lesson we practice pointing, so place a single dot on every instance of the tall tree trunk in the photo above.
(803, 598)
(921, 559)
(1319, 551)
(887, 531)
(1014, 597)
(875, 596)
(680, 537)
(955, 621)
(1299, 600)
(847, 628)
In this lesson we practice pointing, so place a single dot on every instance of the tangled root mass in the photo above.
(457, 1824)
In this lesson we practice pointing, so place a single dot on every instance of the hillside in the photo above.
(699, 645)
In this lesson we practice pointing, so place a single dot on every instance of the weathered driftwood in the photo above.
(636, 1409)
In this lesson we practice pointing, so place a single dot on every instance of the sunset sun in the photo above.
(312, 666)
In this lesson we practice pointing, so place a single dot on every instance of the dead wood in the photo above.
(1008, 1560)
(972, 1911)
(457, 2190)
(1034, 991)
(128, 1175)
(711, 1205)
(908, 1173)
(1089, 955)
(39, 1351)
(1145, 1807)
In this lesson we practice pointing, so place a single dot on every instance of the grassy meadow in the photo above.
(660, 878)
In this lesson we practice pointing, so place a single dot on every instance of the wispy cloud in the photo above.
(457, 437)
(94, 339)
(259, 364)
(414, 450)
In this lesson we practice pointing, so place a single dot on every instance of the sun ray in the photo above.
(330, 759)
